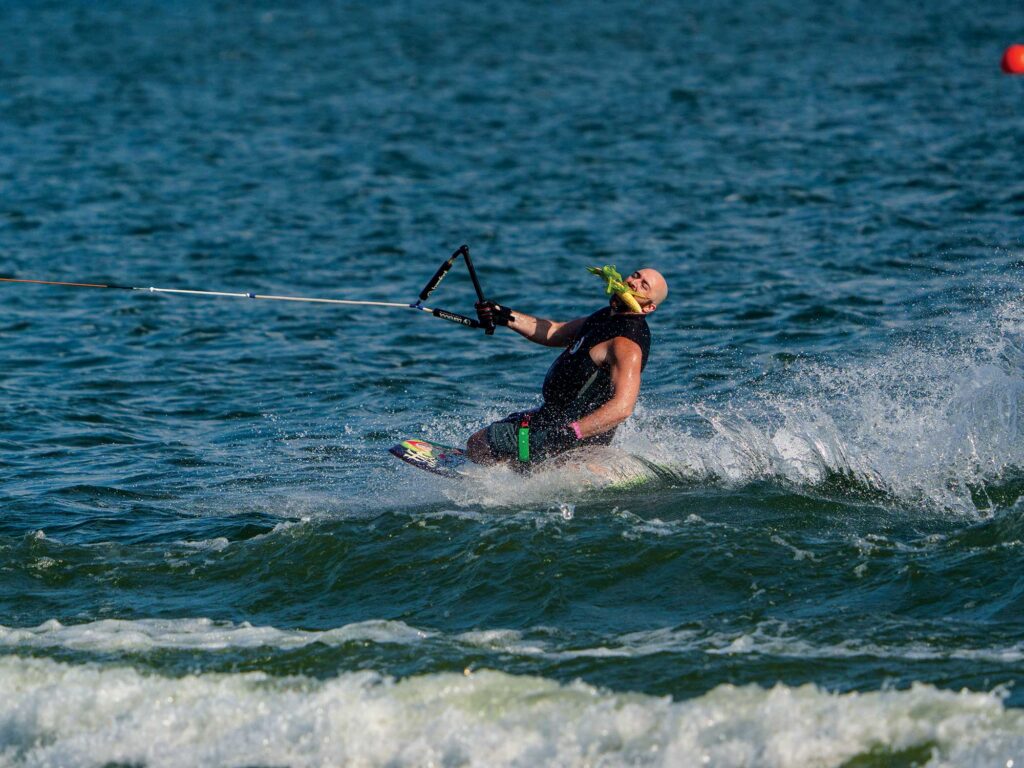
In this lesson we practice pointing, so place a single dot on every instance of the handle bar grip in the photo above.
(435, 281)
(464, 250)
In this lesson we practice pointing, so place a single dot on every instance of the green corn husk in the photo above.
(614, 284)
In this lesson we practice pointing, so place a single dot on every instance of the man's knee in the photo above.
(479, 449)
(495, 443)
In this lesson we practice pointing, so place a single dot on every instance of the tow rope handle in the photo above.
(435, 281)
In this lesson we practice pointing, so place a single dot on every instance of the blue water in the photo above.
(207, 555)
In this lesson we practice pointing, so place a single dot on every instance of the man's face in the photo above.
(647, 284)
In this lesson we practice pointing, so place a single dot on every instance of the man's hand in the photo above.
(492, 313)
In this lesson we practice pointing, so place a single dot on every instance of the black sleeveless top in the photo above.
(574, 386)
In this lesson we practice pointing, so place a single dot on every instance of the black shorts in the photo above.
(503, 437)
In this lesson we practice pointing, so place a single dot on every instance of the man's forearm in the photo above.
(608, 416)
(536, 329)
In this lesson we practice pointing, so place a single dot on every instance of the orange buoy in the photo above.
(1013, 60)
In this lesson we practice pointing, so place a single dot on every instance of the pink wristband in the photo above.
(576, 428)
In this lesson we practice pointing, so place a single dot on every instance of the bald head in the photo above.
(650, 285)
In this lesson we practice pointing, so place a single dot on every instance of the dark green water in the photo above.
(207, 556)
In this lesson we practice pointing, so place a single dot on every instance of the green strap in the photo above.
(523, 438)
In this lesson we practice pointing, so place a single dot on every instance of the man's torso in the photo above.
(578, 381)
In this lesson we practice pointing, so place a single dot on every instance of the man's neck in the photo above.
(616, 311)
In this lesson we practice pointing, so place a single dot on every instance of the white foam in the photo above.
(504, 641)
(218, 544)
(798, 554)
(559, 481)
(773, 638)
(197, 634)
(55, 714)
(768, 638)
(629, 645)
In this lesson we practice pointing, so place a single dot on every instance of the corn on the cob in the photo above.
(614, 284)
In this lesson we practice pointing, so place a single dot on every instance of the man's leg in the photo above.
(495, 443)
(479, 450)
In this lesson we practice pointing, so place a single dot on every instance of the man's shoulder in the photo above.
(626, 349)
(629, 339)
(621, 351)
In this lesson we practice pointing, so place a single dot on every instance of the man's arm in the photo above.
(624, 361)
(550, 333)
(538, 330)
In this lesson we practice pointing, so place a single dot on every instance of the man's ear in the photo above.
(649, 308)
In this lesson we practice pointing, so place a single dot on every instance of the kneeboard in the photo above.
(597, 467)
(440, 459)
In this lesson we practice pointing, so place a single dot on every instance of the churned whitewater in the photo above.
(208, 557)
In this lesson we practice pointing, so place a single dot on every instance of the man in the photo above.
(591, 387)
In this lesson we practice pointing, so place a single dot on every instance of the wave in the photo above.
(940, 423)
(202, 634)
(767, 638)
(53, 713)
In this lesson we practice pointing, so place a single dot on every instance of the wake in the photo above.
(937, 423)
